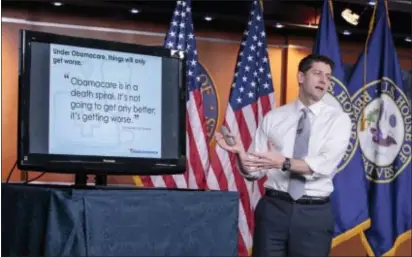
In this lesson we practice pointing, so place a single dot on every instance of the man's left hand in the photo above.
(266, 160)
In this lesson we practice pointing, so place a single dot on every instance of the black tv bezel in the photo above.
(99, 165)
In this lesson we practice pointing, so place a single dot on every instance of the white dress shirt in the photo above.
(330, 133)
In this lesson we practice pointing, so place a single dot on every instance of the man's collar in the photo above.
(314, 108)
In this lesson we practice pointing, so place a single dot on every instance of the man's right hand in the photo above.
(236, 148)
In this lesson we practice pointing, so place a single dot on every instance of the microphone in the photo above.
(226, 134)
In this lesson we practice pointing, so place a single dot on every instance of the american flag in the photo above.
(251, 97)
(181, 37)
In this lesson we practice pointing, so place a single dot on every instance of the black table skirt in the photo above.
(45, 220)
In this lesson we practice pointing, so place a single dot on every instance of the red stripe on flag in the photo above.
(199, 171)
(245, 135)
(218, 171)
(241, 245)
(169, 181)
(147, 182)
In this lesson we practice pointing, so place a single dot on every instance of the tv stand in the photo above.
(100, 180)
(81, 180)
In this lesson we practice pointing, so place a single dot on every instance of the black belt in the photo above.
(303, 200)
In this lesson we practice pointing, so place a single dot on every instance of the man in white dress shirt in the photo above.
(298, 146)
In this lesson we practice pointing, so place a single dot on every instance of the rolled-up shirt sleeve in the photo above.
(333, 150)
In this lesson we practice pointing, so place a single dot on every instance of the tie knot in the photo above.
(305, 111)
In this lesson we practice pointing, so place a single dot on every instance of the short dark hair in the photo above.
(306, 63)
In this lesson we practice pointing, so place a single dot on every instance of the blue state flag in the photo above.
(383, 113)
(349, 199)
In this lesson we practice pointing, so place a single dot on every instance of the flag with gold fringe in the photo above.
(383, 112)
(351, 217)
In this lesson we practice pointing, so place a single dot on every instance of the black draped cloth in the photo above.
(45, 220)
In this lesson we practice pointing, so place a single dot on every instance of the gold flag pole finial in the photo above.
(387, 13)
(331, 7)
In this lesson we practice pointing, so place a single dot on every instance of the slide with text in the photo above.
(104, 103)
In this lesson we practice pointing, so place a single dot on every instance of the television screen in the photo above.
(94, 106)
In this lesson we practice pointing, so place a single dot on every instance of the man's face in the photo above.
(315, 82)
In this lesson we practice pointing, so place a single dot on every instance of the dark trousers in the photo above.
(287, 228)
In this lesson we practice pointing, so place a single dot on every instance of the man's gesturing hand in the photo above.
(265, 160)
(236, 148)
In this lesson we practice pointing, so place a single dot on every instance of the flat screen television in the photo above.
(100, 107)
